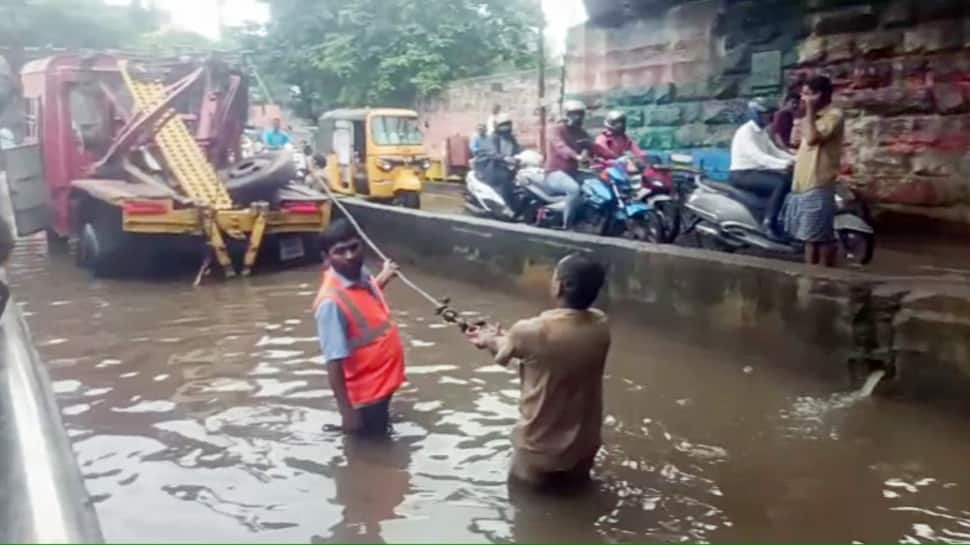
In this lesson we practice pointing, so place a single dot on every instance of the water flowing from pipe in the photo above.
(871, 381)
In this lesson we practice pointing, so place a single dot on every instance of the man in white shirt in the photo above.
(490, 123)
(758, 165)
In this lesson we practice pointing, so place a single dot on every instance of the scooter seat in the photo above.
(751, 200)
(545, 197)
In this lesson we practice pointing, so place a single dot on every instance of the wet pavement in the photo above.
(197, 415)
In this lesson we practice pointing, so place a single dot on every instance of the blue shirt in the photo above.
(475, 145)
(331, 322)
(274, 139)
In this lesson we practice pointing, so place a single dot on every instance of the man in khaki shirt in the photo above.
(562, 357)
(811, 213)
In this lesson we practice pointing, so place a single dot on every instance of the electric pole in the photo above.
(542, 80)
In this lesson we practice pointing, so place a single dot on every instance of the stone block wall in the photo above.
(683, 71)
(466, 103)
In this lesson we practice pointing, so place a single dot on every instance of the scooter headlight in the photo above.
(425, 164)
(384, 165)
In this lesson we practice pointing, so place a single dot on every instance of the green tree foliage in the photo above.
(73, 23)
(388, 52)
(172, 41)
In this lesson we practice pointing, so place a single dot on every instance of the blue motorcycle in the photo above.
(608, 206)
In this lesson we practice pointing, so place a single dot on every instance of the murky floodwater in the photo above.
(198, 414)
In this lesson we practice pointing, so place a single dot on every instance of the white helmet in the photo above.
(570, 106)
(502, 119)
(530, 159)
(575, 112)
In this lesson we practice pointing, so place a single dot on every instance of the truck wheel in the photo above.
(88, 247)
(409, 199)
(101, 248)
(56, 244)
(264, 172)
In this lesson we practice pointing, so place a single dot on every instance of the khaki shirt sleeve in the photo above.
(828, 124)
(520, 341)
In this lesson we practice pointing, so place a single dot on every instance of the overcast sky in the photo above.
(202, 16)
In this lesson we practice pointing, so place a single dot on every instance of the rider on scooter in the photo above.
(495, 161)
(758, 166)
(569, 145)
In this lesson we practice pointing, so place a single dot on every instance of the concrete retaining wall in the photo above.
(818, 322)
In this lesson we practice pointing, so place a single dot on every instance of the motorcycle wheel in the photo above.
(648, 228)
(595, 225)
(669, 213)
(855, 248)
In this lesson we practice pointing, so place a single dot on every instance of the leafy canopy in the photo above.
(388, 52)
(74, 23)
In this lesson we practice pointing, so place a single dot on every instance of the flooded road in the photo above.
(197, 415)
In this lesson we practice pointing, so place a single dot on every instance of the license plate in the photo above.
(291, 248)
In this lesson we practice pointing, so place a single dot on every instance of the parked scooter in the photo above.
(730, 219)
(484, 200)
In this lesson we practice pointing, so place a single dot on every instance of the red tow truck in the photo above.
(138, 160)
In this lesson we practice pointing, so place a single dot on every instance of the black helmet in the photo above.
(616, 121)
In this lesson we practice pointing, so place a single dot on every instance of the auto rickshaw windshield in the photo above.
(389, 130)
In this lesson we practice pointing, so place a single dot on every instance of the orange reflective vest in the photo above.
(375, 367)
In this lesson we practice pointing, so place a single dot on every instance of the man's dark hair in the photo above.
(339, 230)
(581, 279)
(822, 85)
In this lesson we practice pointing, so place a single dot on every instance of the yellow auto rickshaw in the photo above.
(376, 153)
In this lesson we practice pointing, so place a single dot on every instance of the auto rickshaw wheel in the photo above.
(409, 199)
(361, 185)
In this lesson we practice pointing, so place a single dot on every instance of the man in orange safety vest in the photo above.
(361, 344)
